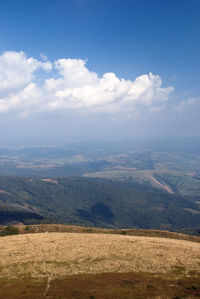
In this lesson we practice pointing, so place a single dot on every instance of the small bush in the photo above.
(123, 232)
(11, 230)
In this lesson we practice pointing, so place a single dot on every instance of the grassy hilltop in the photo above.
(98, 265)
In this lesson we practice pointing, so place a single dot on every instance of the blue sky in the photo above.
(127, 38)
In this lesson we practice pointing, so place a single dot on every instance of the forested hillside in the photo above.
(94, 202)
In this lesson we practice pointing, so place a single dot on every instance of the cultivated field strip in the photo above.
(58, 254)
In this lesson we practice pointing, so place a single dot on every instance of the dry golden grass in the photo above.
(42, 228)
(58, 254)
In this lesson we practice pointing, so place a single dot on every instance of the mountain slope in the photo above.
(94, 202)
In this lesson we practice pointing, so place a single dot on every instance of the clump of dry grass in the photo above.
(58, 254)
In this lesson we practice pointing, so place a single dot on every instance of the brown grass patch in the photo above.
(103, 286)
(123, 285)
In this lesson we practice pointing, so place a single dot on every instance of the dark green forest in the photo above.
(94, 202)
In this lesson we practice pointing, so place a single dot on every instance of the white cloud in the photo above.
(72, 86)
(186, 105)
(16, 71)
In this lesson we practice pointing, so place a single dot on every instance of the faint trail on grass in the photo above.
(49, 278)
(48, 285)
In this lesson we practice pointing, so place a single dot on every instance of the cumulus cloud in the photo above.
(72, 86)
(16, 71)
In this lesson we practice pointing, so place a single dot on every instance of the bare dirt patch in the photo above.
(191, 211)
(50, 181)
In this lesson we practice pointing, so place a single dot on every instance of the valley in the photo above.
(170, 169)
